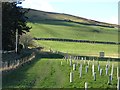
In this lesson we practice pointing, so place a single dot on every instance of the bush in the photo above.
(27, 41)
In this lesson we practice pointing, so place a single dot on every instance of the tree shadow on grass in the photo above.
(18, 77)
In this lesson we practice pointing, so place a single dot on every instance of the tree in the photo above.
(13, 18)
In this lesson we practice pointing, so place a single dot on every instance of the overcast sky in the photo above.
(101, 10)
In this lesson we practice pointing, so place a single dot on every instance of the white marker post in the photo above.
(77, 61)
(100, 72)
(93, 69)
(80, 70)
(86, 85)
(112, 69)
(98, 67)
(70, 62)
(74, 66)
(117, 72)
(81, 58)
(111, 77)
(118, 84)
(71, 77)
(109, 80)
(106, 70)
(86, 69)
(84, 60)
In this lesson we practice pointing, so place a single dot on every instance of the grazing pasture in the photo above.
(70, 30)
(81, 48)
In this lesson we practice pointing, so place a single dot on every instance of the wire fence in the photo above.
(10, 65)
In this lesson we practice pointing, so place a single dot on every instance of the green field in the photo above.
(46, 71)
(81, 48)
(48, 25)
(69, 30)
(49, 73)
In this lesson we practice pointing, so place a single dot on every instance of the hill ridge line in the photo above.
(39, 14)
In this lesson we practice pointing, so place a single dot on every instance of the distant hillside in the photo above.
(38, 16)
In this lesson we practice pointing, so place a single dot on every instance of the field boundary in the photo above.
(67, 55)
(11, 65)
(79, 41)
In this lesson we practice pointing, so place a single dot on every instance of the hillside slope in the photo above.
(57, 25)
(37, 16)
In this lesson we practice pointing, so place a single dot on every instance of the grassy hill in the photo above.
(57, 25)
(67, 30)
(37, 16)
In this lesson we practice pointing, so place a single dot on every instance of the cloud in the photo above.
(39, 5)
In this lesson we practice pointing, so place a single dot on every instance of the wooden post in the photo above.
(94, 76)
(16, 47)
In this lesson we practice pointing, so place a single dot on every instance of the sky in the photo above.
(100, 10)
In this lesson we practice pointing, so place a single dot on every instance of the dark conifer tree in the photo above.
(13, 18)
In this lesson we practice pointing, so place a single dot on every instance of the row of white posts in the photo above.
(9, 65)
(100, 70)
